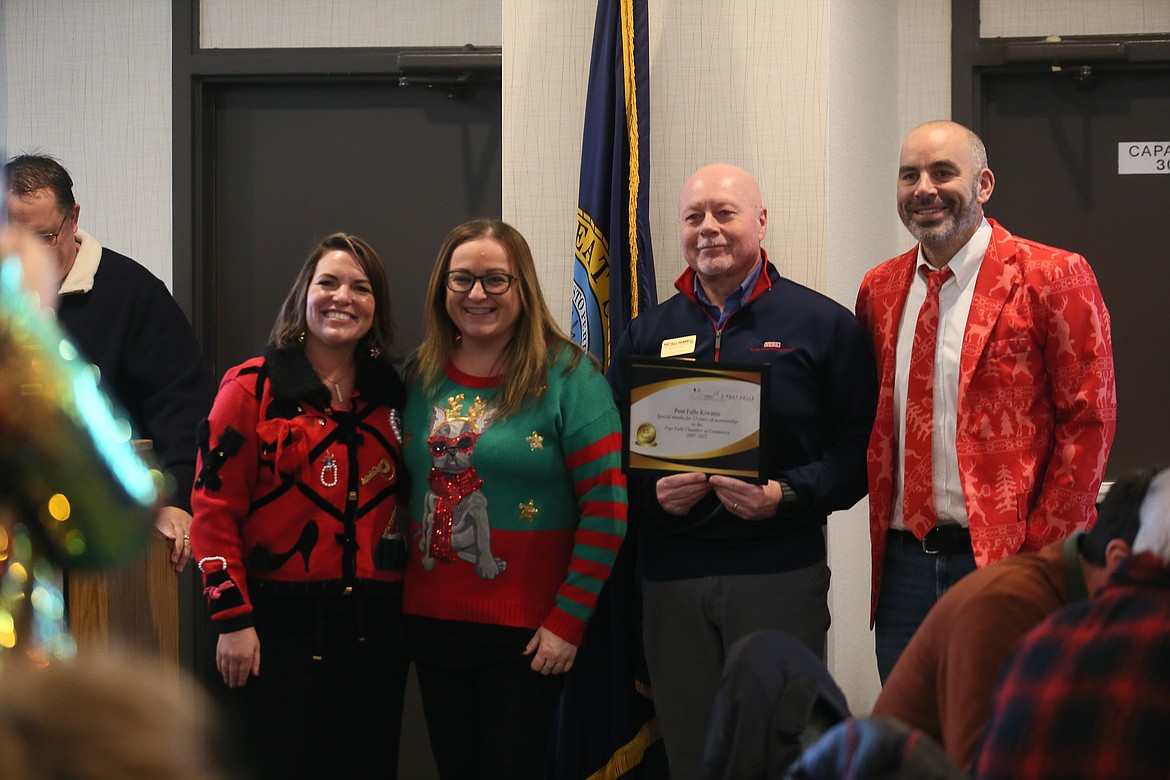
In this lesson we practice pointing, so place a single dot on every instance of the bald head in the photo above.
(945, 128)
(728, 177)
(722, 221)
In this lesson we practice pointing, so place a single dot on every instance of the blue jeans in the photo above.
(912, 581)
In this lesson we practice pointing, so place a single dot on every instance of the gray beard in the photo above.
(962, 225)
(712, 267)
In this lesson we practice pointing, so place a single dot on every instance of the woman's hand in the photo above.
(175, 525)
(237, 653)
(551, 654)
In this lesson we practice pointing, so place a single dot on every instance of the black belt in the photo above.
(947, 539)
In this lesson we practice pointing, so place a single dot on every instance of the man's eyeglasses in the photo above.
(50, 239)
(495, 283)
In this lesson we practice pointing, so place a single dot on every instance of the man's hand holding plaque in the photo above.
(677, 493)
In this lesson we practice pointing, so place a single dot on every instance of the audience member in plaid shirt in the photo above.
(1087, 693)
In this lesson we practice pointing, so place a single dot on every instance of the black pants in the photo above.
(488, 721)
(328, 701)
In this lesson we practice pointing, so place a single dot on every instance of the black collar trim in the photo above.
(293, 379)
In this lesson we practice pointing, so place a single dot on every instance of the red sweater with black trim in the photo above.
(291, 490)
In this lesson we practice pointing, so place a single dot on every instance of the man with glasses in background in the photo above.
(125, 322)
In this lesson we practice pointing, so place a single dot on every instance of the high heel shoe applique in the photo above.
(263, 559)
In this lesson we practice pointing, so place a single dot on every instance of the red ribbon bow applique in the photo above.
(290, 438)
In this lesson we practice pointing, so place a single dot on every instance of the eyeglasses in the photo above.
(50, 239)
(495, 283)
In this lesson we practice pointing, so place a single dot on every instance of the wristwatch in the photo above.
(787, 494)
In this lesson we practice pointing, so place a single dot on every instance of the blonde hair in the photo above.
(536, 341)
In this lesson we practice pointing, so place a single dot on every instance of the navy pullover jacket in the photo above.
(823, 401)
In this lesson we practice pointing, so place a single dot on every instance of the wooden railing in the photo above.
(137, 605)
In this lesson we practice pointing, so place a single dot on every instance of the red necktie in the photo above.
(917, 477)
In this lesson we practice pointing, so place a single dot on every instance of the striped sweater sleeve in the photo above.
(591, 443)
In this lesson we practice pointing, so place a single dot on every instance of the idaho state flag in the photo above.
(605, 725)
(613, 276)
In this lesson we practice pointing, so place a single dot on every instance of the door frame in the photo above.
(196, 74)
(974, 57)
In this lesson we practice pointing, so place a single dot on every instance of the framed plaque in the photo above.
(685, 415)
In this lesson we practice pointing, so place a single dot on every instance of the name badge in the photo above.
(683, 345)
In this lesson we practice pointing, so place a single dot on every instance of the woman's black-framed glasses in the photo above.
(495, 283)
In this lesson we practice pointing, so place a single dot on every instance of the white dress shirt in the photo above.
(954, 304)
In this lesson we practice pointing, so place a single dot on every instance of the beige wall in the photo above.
(862, 230)
(1012, 18)
(99, 99)
(811, 95)
(230, 24)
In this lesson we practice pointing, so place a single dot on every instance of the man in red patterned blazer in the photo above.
(995, 440)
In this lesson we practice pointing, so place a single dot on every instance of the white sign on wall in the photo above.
(1143, 157)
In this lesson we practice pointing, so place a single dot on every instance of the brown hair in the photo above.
(106, 717)
(28, 173)
(536, 341)
(290, 322)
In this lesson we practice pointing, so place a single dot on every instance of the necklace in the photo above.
(335, 383)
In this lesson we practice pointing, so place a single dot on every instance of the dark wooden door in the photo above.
(294, 162)
(1052, 140)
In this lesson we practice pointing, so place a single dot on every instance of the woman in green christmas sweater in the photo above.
(518, 505)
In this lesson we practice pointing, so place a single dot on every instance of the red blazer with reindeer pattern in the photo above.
(1037, 401)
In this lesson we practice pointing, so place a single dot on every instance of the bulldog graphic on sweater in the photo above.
(455, 513)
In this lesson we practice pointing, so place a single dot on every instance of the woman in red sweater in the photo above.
(295, 528)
